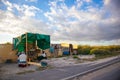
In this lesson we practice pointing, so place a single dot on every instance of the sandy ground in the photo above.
(10, 69)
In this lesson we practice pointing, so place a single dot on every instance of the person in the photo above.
(22, 60)
(42, 56)
(70, 49)
(56, 50)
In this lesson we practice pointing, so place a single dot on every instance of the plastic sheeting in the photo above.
(43, 41)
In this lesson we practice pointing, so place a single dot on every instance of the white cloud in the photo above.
(79, 3)
(94, 24)
(22, 22)
(70, 24)
(106, 2)
(88, 0)
(32, 0)
(7, 3)
(29, 10)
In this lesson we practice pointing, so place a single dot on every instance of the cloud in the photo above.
(88, 0)
(18, 19)
(113, 7)
(76, 23)
(92, 24)
(31, 0)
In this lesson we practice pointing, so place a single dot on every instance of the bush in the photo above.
(75, 57)
(84, 49)
(100, 52)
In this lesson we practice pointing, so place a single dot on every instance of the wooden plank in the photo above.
(34, 63)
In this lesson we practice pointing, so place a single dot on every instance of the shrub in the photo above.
(100, 52)
(75, 57)
(84, 49)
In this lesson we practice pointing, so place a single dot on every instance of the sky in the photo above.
(86, 22)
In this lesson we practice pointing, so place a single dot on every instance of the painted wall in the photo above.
(6, 52)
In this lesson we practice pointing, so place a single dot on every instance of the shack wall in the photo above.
(6, 53)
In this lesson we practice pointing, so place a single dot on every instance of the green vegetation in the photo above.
(99, 51)
(84, 49)
(75, 57)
